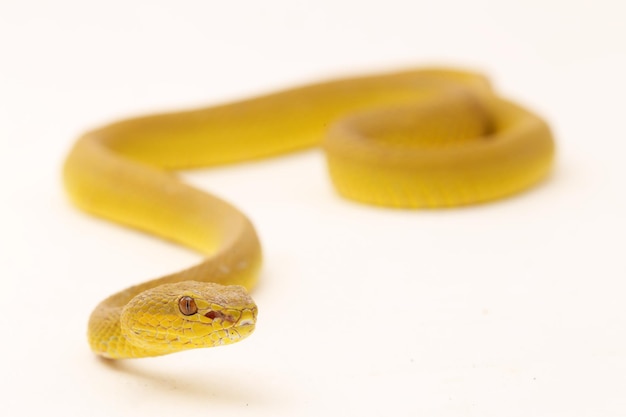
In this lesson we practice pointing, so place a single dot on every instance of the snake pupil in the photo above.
(187, 306)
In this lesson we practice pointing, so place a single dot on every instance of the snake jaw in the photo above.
(225, 328)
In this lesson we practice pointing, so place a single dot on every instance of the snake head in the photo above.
(188, 315)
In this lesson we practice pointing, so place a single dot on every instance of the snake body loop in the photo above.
(421, 138)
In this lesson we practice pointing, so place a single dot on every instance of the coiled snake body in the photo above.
(421, 138)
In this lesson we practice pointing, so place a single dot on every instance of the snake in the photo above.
(416, 138)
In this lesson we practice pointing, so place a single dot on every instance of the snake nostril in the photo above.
(246, 322)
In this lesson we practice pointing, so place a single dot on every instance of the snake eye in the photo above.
(187, 306)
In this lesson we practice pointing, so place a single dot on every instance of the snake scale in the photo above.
(421, 138)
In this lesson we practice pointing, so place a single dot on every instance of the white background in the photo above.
(515, 308)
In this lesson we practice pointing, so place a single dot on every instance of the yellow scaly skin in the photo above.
(421, 138)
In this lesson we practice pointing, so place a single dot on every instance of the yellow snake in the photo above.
(419, 138)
